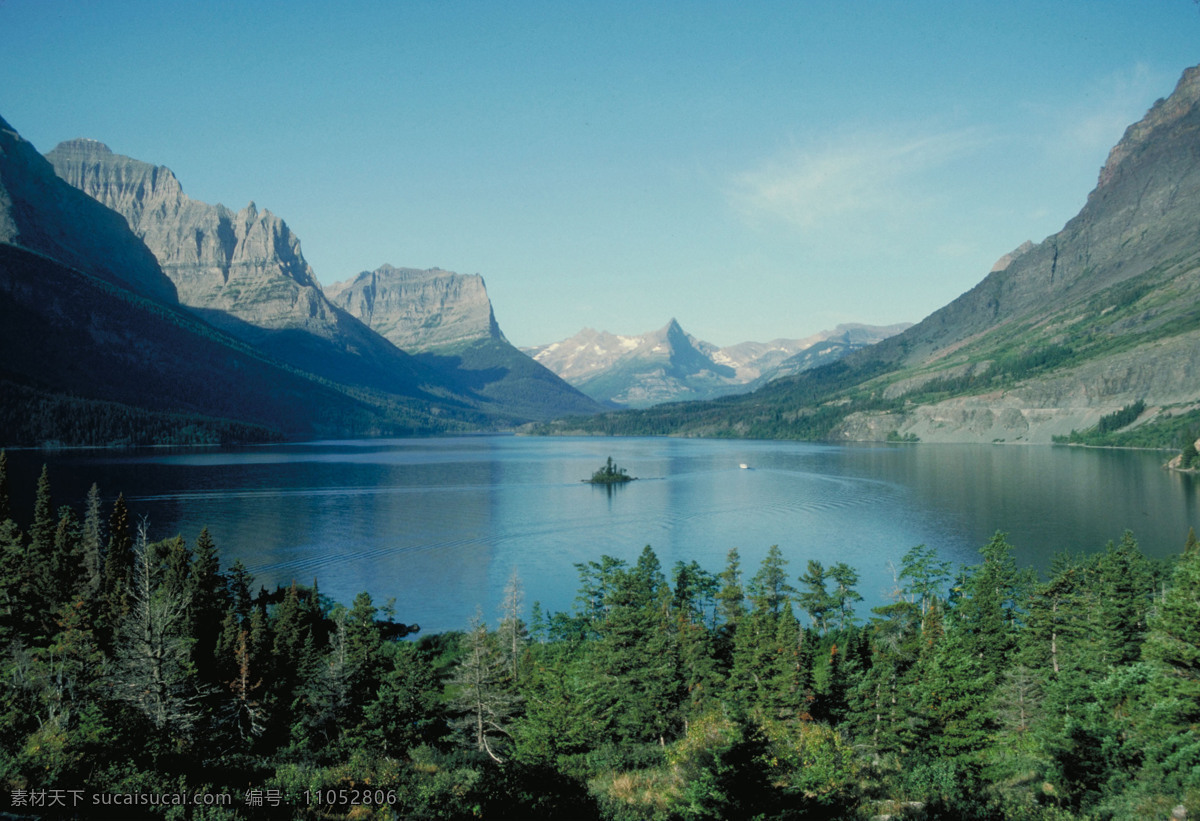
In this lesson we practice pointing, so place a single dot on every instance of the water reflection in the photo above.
(440, 524)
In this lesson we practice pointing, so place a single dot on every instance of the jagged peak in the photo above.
(1165, 112)
(1007, 260)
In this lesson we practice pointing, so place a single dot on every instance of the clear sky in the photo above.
(754, 169)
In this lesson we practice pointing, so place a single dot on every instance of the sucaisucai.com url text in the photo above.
(43, 799)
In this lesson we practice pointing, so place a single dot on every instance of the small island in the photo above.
(610, 474)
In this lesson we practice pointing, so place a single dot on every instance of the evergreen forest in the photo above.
(141, 679)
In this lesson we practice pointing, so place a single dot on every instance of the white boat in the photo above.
(744, 466)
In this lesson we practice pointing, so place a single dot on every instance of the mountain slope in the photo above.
(1102, 314)
(447, 320)
(36, 210)
(98, 350)
(244, 273)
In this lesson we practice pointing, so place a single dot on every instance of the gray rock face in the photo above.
(242, 272)
(40, 212)
(670, 365)
(1115, 293)
(1144, 211)
(246, 265)
(419, 310)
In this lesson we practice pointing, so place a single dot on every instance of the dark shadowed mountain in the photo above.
(244, 273)
(97, 349)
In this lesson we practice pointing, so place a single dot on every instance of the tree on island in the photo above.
(610, 474)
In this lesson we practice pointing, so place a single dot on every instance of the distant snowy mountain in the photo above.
(672, 365)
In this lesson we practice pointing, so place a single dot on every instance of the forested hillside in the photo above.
(135, 667)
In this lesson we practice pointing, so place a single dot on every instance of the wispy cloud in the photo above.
(1097, 121)
(862, 176)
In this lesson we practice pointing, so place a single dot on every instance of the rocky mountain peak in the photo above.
(1166, 114)
(1016, 253)
(670, 364)
(247, 265)
(83, 145)
(419, 310)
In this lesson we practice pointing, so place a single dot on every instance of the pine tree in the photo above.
(1125, 588)
(815, 599)
(730, 610)
(92, 547)
(12, 552)
(37, 568)
(636, 660)
(954, 696)
(788, 678)
(152, 658)
(67, 560)
(481, 692)
(404, 713)
(769, 590)
(987, 613)
(5, 504)
(844, 595)
(363, 651)
(206, 590)
(118, 566)
(512, 631)
(1173, 643)
(927, 577)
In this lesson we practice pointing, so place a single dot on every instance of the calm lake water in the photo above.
(440, 524)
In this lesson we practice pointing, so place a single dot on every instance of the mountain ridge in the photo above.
(669, 364)
(244, 272)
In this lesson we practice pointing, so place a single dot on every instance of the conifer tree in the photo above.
(987, 613)
(637, 686)
(814, 599)
(481, 692)
(118, 566)
(954, 696)
(512, 630)
(66, 562)
(92, 546)
(761, 665)
(41, 532)
(926, 576)
(1173, 643)
(206, 590)
(363, 651)
(35, 597)
(844, 595)
(1124, 599)
(730, 609)
(12, 552)
(769, 591)
(405, 710)
(788, 678)
(5, 503)
(153, 650)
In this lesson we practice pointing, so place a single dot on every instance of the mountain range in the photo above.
(130, 312)
(670, 365)
(1097, 319)
(108, 252)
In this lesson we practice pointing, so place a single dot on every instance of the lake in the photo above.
(440, 524)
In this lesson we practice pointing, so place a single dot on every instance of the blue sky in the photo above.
(756, 170)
